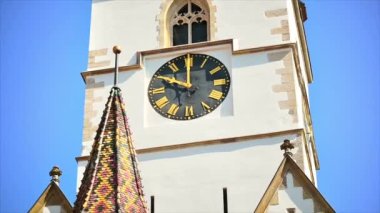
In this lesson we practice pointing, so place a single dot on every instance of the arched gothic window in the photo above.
(189, 23)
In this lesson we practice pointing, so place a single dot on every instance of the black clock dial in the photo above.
(189, 86)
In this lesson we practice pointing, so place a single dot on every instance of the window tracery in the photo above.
(189, 23)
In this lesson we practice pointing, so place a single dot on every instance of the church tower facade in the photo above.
(213, 88)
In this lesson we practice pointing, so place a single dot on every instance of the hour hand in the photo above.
(173, 80)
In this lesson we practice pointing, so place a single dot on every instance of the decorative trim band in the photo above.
(209, 142)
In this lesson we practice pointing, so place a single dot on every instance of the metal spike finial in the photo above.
(117, 51)
(287, 146)
(55, 173)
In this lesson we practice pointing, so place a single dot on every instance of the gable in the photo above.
(51, 200)
(291, 191)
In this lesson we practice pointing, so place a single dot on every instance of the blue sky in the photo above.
(44, 47)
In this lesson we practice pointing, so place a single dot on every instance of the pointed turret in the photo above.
(111, 181)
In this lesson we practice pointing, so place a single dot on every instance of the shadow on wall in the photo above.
(246, 60)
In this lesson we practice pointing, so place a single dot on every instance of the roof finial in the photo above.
(287, 146)
(55, 172)
(117, 51)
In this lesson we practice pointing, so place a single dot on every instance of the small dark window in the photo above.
(291, 210)
(303, 12)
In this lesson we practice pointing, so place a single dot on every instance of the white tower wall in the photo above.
(185, 164)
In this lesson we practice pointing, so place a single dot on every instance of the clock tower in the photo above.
(212, 88)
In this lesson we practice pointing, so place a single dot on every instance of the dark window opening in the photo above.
(183, 10)
(303, 12)
(199, 31)
(195, 8)
(180, 34)
(291, 210)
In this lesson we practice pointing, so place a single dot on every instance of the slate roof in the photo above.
(111, 181)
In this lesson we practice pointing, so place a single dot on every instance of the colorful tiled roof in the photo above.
(111, 181)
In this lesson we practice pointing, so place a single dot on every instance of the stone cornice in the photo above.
(139, 65)
(210, 142)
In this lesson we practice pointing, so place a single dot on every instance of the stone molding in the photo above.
(276, 13)
(212, 142)
(283, 29)
(287, 84)
(89, 129)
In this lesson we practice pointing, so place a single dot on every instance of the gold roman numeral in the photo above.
(173, 109)
(189, 111)
(158, 90)
(216, 69)
(191, 61)
(204, 62)
(173, 67)
(215, 94)
(162, 102)
(218, 82)
(205, 106)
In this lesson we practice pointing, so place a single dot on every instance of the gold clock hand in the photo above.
(173, 80)
(188, 69)
(169, 80)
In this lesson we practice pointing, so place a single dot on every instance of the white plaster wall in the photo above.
(81, 168)
(191, 180)
(291, 197)
(309, 145)
(52, 209)
(130, 24)
(246, 21)
(307, 167)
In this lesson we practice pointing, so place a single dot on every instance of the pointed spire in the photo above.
(111, 181)
(287, 146)
(55, 173)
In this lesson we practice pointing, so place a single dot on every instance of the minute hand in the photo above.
(173, 80)
(188, 69)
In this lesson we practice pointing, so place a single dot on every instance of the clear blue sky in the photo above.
(44, 46)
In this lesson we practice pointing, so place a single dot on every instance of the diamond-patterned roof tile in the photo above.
(111, 181)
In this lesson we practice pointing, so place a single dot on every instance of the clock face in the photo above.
(189, 86)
